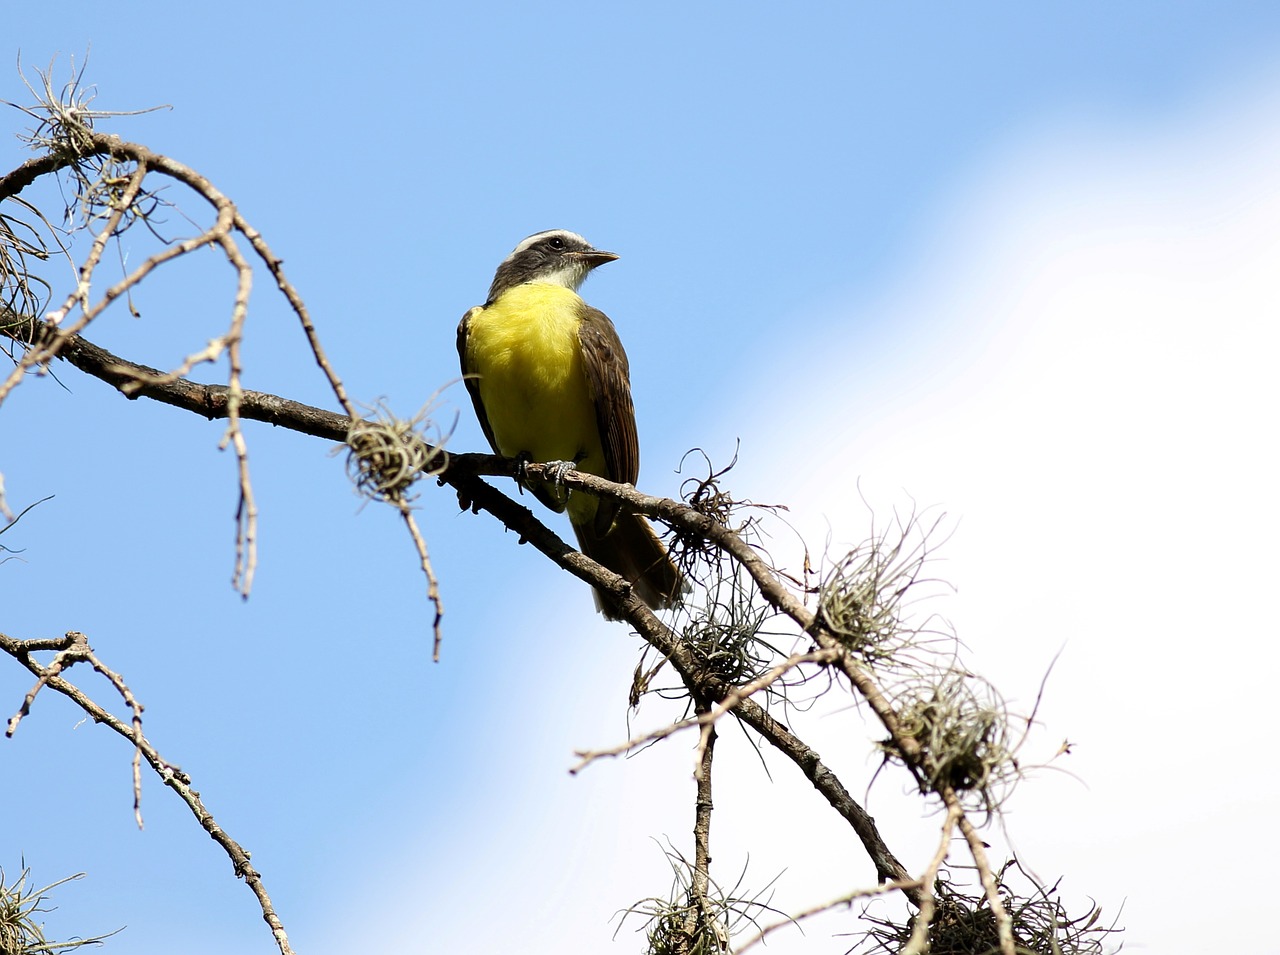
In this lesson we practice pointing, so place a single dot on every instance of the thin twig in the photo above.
(849, 897)
(276, 267)
(433, 585)
(918, 944)
(169, 773)
(702, 918)
(735, 696)
(246, 509)
(990, 884)
(135, 707)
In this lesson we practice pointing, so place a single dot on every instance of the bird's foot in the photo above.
(556, 470)
(522, 471)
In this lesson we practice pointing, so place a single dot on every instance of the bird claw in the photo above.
(556, 470)
(522, 472)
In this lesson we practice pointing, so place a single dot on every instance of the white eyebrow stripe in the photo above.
(563, 233)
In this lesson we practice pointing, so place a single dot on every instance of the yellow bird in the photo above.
(550, 384)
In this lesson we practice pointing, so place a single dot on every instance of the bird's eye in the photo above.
(556, 242)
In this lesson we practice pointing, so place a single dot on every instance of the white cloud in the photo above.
(1084, 374)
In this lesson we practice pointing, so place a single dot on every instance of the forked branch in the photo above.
(74, 648)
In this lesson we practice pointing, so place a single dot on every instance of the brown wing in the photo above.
(471, 380)
(609, 382)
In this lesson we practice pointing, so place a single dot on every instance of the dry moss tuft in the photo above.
(962, 727)
(386, 455)
(964, 925)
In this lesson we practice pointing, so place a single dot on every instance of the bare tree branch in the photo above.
(74, 647)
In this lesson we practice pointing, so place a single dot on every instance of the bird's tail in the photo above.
(633, 551)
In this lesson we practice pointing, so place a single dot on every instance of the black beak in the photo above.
(594, 257)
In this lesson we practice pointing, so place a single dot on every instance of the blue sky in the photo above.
(1012, 261)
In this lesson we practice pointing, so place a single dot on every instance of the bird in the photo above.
(550, 383)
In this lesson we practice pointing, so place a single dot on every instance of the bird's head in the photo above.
(557, 257)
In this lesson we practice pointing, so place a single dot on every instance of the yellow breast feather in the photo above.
(527, 354)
